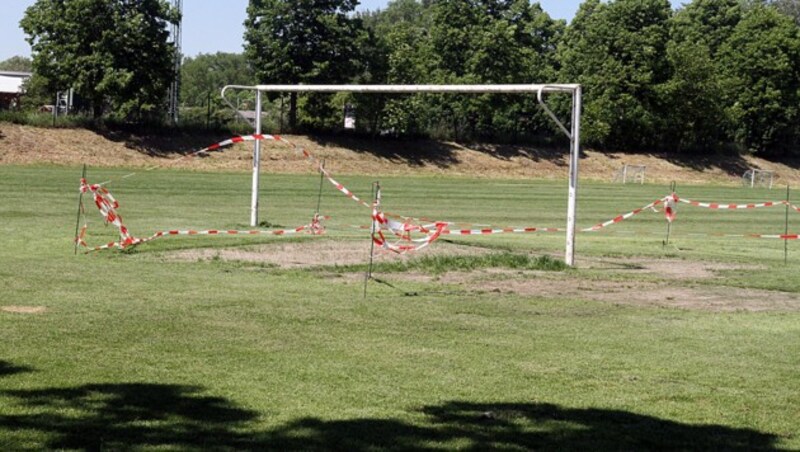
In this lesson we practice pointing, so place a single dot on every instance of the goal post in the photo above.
(573, 132)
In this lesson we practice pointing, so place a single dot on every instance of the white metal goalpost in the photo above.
(573, 133)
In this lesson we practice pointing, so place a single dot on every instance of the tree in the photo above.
(121, 58)
(492, 41)
(761, 64)
(208, 73)
(303, 41)
(694, 110)
(17, 64)
(618, 52)
(710, 22)
(789, 7)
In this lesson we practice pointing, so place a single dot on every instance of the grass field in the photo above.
(143, 350)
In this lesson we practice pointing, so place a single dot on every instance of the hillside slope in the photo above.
(25, 145)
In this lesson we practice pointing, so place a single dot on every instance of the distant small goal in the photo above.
(753, 178)
(630, 174)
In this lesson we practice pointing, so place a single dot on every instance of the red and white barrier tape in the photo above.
(723, 206)
(403, 229)
(311, 229)
(465, 232)
(621, 218)
(380, 224)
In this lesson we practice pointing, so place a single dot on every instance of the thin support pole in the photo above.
(786, 229)
(669, 223)
(80, 209)
(281, 129)
(376, 193)
(321, 182)
(575, 154)
(256, 165)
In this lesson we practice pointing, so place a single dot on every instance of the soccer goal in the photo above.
(630, 174)
(573, 132)
(758, 178)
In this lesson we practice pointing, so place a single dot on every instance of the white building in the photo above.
(11, 88)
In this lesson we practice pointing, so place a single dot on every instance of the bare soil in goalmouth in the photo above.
(26, 145)
(664, 283)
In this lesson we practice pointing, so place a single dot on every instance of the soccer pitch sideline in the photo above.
(198, 342)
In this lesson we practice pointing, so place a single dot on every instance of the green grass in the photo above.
(139, 351)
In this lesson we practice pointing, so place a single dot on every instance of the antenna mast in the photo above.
(175, 87)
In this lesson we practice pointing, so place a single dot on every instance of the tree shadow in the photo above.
(134, 416)
(411, 152)
(162, 143)
(124, 416)
(8, 369)
(517, 426)
(422, 152)
(559, 157)
(731, 164)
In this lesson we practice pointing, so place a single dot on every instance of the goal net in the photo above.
(539, 90)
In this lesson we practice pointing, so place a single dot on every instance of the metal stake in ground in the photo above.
(321, 182)
(669, 223)
(376, 194)
(786, 230)
(80, 208)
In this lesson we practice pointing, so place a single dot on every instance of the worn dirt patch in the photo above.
(664, 268)
(23, 309)
(667, 294)
(638, 293)
(315, 253)
(668, 283)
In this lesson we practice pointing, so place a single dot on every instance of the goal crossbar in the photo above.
(573, 132)
(410, 89)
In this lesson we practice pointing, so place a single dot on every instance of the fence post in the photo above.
(786, 229)
(376, 193)
(669, 223)
(80, 208)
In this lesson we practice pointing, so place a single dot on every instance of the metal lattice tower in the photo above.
(175, 87)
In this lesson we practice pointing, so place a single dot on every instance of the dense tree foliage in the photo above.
(303, 41)
(113, 53)
(17, 64)
(761, 65)
(713, 75)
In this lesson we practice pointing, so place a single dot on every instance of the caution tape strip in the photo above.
(723, 206)
(621, 218)
(108, 205)
(311, 228)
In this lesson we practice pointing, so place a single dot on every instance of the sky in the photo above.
(209, 26)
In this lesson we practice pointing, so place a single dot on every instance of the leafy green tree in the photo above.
(789, 7)
(694, 110)
(303, 41)
(113, 52)
(710, 22)
(491, 41)
(761, 66)
(618, 52)
(208, 73)
(17, 64)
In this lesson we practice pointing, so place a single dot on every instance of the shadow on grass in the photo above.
(412, 152)
(163, 143)
(8, 369)
(731, 164)
(515, 426)
(420, 152)
(123, 416)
